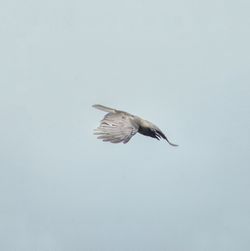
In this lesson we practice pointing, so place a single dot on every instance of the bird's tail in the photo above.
(104, 108)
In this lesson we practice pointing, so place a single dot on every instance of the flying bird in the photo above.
(119, 126)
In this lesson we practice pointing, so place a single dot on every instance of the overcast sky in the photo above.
(184, 65)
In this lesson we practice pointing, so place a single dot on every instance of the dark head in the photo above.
(160, 134)
(149, 129)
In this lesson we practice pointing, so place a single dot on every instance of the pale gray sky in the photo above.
(183, 65)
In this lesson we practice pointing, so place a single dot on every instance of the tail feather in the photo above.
(104, 108)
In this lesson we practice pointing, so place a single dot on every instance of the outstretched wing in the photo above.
(104, 108)
(116, 128)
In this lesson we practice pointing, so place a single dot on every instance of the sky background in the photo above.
(184, 65)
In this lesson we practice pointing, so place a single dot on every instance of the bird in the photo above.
(119, 126)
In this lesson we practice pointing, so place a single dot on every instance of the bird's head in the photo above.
(146, 124)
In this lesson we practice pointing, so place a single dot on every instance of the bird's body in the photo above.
(119, 126)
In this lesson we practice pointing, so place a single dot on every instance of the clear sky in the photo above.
(184, 65)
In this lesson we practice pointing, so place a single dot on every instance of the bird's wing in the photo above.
(116, 128)
(104, 108)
